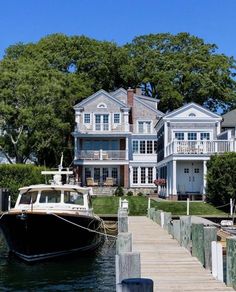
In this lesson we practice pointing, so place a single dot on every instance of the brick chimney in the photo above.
(130, 102)
(130, 97)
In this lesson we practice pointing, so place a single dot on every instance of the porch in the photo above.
(102, 155)
(201, 147)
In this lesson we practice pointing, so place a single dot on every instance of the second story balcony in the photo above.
(102, 127)
(200, 147)
(102, 155)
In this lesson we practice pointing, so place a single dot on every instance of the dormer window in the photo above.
(192, 115)
(102, 105)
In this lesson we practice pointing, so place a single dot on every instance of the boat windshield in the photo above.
(72, 197)
(50, 196)
(28, 198)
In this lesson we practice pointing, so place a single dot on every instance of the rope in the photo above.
(222, 206)
(88, 229)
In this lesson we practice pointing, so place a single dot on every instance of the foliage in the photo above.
(221, 174)
(180, 68)
(129, 193)
(119, 192)
(19, 175)
(138, 206)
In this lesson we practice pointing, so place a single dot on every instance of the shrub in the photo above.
(140, 194)
(14, 176)
(221, 182)
(119, 192)
(129, 193)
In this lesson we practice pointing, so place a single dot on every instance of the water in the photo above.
(95, 272)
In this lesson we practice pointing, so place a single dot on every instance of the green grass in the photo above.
(138, 206)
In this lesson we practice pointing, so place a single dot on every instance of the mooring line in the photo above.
(88, 229)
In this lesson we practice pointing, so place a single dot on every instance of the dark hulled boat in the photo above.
(51, 220)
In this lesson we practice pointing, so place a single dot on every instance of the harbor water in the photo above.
(93, 272)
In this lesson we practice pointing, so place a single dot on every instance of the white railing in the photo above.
(103, 127)
(200, 147)
(103, 155)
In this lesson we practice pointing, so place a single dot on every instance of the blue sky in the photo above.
(118, 20)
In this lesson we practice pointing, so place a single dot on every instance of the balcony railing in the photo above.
(101, 127)
(103, 155)
(200, 147)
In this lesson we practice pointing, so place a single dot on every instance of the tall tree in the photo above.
(181, 68)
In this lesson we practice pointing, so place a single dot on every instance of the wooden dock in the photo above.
(170, 266)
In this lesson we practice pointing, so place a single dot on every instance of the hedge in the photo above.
(14, 176)
(221, 178)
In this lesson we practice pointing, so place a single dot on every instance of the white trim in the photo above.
(87, 113)
(102, 105)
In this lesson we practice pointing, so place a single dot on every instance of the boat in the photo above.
(52, 220)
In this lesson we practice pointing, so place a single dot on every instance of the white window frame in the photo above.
(89, 118)
(114, 119)
(144, 126)
(101, 114)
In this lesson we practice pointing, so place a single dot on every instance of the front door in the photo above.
(190, 177)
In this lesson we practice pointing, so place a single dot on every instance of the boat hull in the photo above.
(34, 236)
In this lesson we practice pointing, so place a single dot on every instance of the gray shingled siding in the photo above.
(141, 112)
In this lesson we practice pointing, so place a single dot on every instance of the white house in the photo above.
(115, 139)
(186, 138)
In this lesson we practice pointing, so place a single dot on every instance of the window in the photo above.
(86, 118)
(192, 115)
(155, 146)
(149, 147)
(135, 146)
(205, 136)
(192, 136)
(135, 175)
(28, 198)
(73, 198)
(102, 105)
(116, 118)
(50, 197)
(179, 135)
(101, 122)
(186, 170)
(87, 172)
(142, 147)
(114, 174)
(150, 175)
(196, 170)
(143, 175)
(144, 127)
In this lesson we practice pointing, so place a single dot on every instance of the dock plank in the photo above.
(170, 266)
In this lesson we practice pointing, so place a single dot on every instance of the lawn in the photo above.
(138, 206)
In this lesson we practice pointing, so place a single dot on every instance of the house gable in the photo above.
(192, 111)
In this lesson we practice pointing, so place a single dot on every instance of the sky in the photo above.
(118, 20)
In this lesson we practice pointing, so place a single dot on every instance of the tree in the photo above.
(181, 68)
(221, 183)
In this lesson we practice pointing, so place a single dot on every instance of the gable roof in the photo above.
(191, 105)
(229, 119)
(95, 95)
(148, 106)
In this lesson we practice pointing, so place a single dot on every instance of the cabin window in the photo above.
(28, 198)
(73, 198)
(52, 196)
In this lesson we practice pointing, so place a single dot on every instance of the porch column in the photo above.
(126, 148)
(131, 176)
(126, 176)
(174, 190)
(204, 177)
(168, 178)
(76, 148)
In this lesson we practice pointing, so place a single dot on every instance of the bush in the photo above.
(129, 193)
(140, 194)
(14, 176)
(119, 192)
(221, 182)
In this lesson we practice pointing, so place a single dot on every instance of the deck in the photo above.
(170, 266)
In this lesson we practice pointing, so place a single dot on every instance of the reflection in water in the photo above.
(93, 272)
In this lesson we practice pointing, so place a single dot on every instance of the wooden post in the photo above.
(187, 206)
(150, 213)
(137, 285)
(162, 219)
(122, 220)
(231, 261)
(124, 242)
(198, 242)
(176, 230)
(210, 234)
(149, 203)
(217, 260)
(127, 266)
(185, 231)
(167, 219)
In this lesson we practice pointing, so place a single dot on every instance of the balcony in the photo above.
(102, 127)
(103, 155)
(200, 147)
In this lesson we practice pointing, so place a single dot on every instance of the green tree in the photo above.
(221, 183)
(181, 68)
